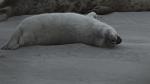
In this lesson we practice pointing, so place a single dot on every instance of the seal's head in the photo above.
(107, 38)
(112, 39)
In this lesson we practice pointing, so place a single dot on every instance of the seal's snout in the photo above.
(112, 41)
(119, 40)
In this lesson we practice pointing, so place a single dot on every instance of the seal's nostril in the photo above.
(113, 40)
(119, 40)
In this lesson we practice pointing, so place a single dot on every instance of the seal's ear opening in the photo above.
(119, 40)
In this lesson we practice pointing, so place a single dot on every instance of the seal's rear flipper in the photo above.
(13, 43)
(9, 47)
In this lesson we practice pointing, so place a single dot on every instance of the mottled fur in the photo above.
(21, 7)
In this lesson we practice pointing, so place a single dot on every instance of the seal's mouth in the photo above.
(119, 40)
(112, 42)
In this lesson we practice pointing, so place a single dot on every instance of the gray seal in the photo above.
(63, 28)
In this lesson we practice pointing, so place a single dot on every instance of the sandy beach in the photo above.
(129, 63)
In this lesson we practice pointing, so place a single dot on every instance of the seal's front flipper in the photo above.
(92, 14)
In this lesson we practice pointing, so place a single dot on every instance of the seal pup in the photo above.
(63, 28)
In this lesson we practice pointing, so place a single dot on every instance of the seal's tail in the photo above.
(13, 43)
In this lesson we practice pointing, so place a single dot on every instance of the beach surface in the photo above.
(129, 63)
